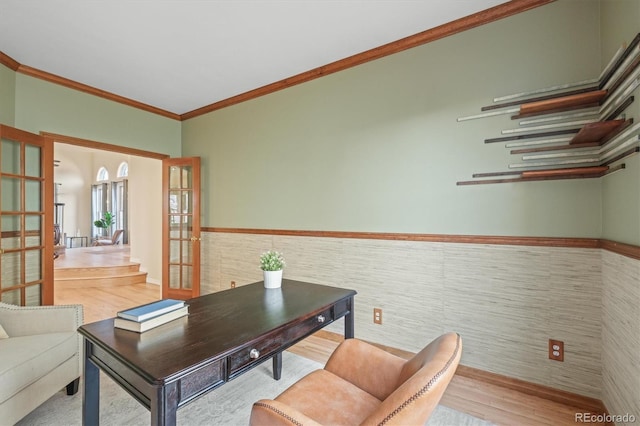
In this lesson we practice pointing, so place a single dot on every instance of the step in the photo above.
(113, 280)
(95, 271)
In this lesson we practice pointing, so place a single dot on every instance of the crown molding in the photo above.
(9, 62)
(56, 79)
(14, 65)
(459, 25)
(495, 13)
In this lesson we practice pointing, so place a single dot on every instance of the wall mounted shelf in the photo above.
(570, 131)
(595, 132)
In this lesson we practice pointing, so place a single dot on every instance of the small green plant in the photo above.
(106, 221)
(271, 261)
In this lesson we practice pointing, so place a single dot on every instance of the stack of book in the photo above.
(151, 315)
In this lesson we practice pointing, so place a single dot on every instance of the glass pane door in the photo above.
(181, 228)
(26, 218)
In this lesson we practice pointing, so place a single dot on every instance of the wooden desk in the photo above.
(224, 335)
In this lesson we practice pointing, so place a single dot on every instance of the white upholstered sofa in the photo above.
(41, 355)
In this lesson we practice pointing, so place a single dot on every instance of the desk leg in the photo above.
(90, 389)
(349, 326)
(164, 405)
(277, 366)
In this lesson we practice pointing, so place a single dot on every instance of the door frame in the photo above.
(52, 138)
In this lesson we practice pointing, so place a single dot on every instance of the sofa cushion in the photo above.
(3, 334)
(328, 399)
(26, 359)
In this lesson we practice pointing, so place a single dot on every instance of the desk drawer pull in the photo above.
(321, 319)
(254, 354)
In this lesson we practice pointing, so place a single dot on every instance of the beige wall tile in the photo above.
(505, 301)
(402, 278)
(621, 334)
(317, 260)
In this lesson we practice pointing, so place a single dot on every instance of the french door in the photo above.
(181, 228)
(26, 218)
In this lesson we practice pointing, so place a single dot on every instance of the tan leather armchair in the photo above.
(364, 385)
(114, 240)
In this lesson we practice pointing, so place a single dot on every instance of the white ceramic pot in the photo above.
(272, 279)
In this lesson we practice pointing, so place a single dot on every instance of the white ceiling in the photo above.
(180, 55)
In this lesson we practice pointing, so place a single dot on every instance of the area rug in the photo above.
(229, 405)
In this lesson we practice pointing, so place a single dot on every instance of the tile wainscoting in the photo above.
(505, 300)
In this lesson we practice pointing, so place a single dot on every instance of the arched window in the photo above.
(103, 175)
(123, 169)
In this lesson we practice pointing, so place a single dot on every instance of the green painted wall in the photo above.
(43, 106)
(7, 95)
(377, 147)
(620, 22)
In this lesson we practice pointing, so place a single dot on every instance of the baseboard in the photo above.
(581, 402)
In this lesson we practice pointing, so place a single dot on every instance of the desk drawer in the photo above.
(270, 345)
(201, 380)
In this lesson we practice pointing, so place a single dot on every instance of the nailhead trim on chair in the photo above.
(281, 413)
(11, 307)
(426, 388)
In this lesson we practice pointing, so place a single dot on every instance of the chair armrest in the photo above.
(368, 367)
(270, 412)
(30, 320)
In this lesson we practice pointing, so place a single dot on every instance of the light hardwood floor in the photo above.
(100, 302)
(498, 404)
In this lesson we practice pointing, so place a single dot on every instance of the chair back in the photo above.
(422, 381)
(116, 236)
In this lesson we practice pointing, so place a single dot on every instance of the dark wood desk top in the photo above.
(217, 324)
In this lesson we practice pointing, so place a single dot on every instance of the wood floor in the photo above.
(498, 404)
(100, 302)
(93, 257)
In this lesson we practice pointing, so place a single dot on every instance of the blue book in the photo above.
(151, 310)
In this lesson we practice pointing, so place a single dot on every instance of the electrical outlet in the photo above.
(377, 316)
(556, 350)
(233, 284)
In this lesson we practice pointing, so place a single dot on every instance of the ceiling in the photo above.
(181, 55)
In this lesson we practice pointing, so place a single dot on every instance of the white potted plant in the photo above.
(272, 263)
